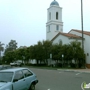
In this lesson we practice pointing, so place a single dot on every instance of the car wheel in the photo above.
(32, 87)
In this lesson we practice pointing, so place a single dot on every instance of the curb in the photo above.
(79, 71)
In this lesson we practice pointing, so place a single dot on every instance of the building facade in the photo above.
(54, 30)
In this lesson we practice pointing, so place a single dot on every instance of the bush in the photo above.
(41, 65)
(72, 65)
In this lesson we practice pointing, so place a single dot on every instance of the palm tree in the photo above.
(1, 48)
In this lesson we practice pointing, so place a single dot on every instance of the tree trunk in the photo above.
(37, 62)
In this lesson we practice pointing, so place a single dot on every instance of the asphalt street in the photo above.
(60, 80)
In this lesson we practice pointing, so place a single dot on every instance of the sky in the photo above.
(25, 20)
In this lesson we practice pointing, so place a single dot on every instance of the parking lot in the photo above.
(60, 80)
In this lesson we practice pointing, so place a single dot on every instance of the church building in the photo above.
(54, 30)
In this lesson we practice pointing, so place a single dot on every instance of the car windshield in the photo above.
(6, 76)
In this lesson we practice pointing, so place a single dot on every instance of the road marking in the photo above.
(78, 73)
(60, 72)
(48, 89)
(49, 70)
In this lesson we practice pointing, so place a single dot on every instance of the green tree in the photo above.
(20, 54)
(27, 55)
(56, 51)
(9, 57)
(39, 52)
(32, 52)
(66, 54)
(78, 53)
(47, 45)
(12, 45)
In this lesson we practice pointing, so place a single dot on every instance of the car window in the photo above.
(18, 75)
(6, 76)
(27, 73)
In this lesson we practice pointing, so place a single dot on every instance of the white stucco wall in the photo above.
(86, 45)
(53, 32)
(87, 48)
(65, 40)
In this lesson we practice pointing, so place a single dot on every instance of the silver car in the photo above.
(17, 79)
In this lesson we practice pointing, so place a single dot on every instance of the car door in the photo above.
(19, 82)
(28, 77)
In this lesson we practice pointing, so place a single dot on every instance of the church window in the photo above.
(87, 54)
(60, 42)
(56, 15)
(57, 27)
(49, 15)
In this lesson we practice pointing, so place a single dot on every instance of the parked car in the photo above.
(16, 64)
(2, 67)
(17, 79)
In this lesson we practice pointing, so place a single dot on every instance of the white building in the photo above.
(54, 30)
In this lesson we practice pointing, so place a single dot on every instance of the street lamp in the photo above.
(50, 58)
(82, 23)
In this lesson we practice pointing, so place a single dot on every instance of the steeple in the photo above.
(54, 23)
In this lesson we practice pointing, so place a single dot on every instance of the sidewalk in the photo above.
(76, 70)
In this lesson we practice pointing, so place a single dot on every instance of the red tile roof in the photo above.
(80, 31)
(67, 35)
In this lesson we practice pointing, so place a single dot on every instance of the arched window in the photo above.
(49, 15)
(60, 41)
(57, 15)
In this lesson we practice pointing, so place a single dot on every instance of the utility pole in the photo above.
(82, 24)
(84, 62)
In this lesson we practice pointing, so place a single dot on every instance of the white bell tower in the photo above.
(54, 23)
